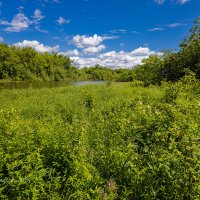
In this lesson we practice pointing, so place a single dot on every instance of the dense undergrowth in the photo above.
(119, 141)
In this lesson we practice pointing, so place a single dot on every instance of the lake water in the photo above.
(79, 83)
(41, 84)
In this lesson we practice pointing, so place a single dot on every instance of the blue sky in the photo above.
(114, 33)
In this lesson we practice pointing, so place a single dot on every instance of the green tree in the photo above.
(150, 72)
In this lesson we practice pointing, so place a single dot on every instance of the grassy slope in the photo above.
(98, 142)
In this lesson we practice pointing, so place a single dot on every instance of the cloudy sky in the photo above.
(113, 33)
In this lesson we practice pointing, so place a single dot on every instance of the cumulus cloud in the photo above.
(92, 50)
(74, 52)
(83, 41)
(37, 46)
(90, 44)
(62, 21)
(90, 55)
(21, 22)
(1, 39)
(115, 59)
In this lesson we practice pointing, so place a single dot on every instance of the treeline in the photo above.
(26, 64)
(106, 74)
(22, 64)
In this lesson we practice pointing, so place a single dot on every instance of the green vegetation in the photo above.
(22, 64)
(117, 141)
(136, 140)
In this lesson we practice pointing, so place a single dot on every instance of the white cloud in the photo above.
(142, 51)
(52, 1)
(118, 31)
(4, 22)
(38, 28)
(160, 1)
(174, 25)
(74, 52)
(37, 17)
(21, 22)
(1, 39)
(92, 45)
(95, 49)
(122, 31)
(115, 59)
(44, 3)
(183, 1)
(83, 41)
(62, 20)
(37, 46)
(20, 8)
(135, 32)
(156, 29)
(178, 1)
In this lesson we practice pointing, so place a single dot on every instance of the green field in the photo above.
(117, 141)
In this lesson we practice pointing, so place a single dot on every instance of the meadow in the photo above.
(112, 141)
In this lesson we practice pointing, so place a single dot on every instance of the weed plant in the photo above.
(125, 141)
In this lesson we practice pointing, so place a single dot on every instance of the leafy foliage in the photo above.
(22, 64)
(99, 142)
(150, 71)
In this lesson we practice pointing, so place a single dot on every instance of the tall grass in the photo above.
(117, 141)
